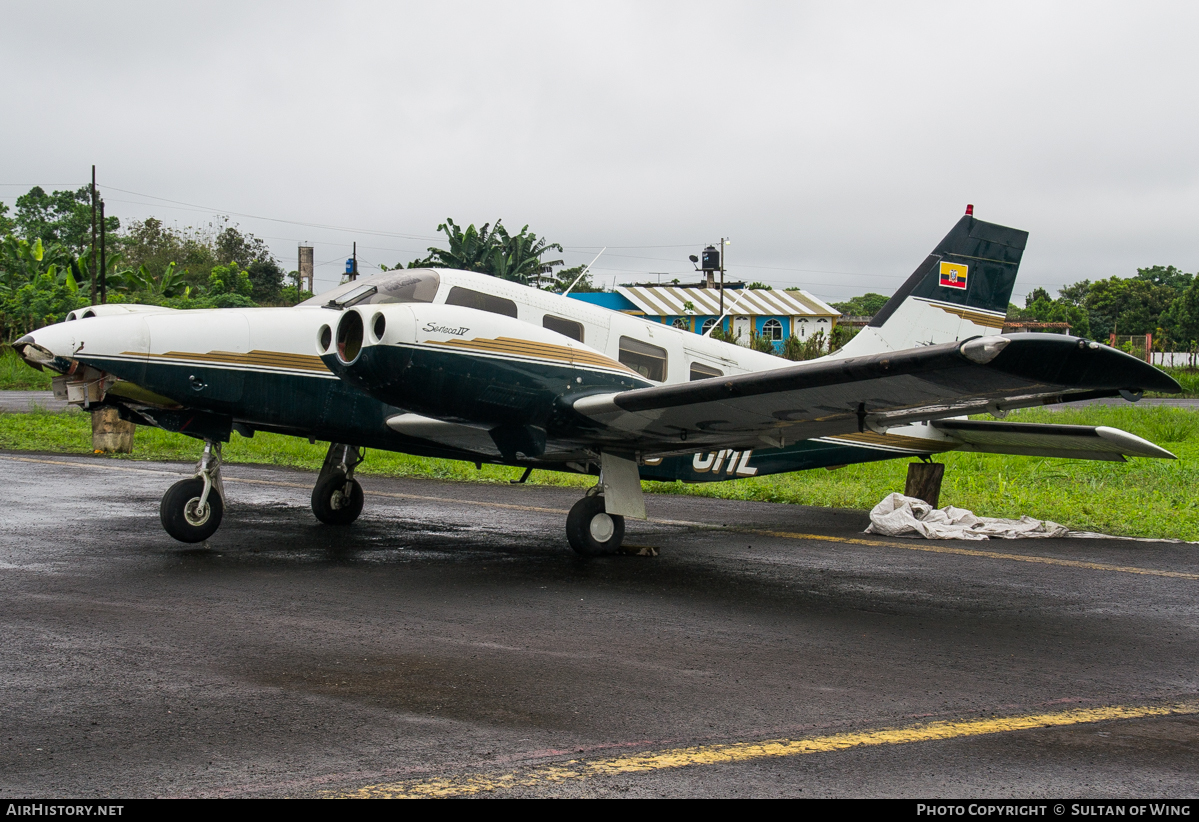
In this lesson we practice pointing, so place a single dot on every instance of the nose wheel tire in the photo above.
(591, 530)
(184, 518)
(337, 500)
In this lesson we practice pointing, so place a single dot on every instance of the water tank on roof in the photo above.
(711, 259)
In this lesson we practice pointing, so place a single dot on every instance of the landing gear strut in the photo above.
(590, 529)
(337, 498)
(191, 509)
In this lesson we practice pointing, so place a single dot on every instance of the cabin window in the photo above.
(707, 326)
(483, 302)
(567, 328)
(699, 371)
(682, 322)
(647, 360)
(772, 329)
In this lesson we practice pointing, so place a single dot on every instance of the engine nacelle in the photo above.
(458, 363)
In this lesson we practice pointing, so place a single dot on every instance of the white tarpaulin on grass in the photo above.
(900, 516)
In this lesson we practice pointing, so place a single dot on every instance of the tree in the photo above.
(1037, 294)
(796, 348)
(515, 257)
(1075, 294)
(757, 286)
(153, 244)
(266, 280)
(470, 250)
(563, 278)
(7, 224)
(1181, 319)
(867, 305)
(62, 217)
(144, 283)
(1166, 275)
(518, 257)
(43, 301)
(1126, 306)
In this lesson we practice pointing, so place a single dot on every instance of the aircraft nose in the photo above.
(44, 350)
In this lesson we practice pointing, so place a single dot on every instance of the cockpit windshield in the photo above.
(416, 285)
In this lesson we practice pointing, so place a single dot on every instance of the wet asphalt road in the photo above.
(444, 635)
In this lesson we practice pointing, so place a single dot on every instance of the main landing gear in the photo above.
(191, 509)
(337, 498)
(590, 529)
(595, 525)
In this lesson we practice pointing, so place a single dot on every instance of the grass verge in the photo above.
(1142, 497)
(16, 375)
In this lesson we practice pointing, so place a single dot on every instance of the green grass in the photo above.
(1188, 378)
(1142, 497)
(15, 375)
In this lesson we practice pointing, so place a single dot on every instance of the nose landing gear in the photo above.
(337, 498)
(191, 509)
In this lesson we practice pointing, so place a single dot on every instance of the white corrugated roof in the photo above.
(667, 300)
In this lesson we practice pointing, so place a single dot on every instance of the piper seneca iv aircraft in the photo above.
(465, 366)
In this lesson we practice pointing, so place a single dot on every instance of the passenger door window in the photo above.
(699, 371)
(567, 328)
(647, 360)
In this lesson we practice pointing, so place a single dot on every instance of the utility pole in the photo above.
(354, 276)
(93, 235)
(103, 260)
(722, 275)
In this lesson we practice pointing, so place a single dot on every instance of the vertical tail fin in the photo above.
(961, 290)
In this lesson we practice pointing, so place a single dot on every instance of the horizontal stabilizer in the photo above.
(1080, 442)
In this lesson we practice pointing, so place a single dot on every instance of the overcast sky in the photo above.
(834, 143)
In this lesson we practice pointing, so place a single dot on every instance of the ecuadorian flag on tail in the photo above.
(953, 275)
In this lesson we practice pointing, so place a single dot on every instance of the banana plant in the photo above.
(22, 261)
(141, 281)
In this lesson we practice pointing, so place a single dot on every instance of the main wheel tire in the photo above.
(591, 530)
(337, 500)
(181, 515)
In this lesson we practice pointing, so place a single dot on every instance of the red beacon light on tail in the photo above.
(969, 209)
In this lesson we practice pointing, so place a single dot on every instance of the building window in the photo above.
(682, 322)
(699, 371)
(772, 329)
(567, 328)
(707, 326)
(647, 360)
(483, 302)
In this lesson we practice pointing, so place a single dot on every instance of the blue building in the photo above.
(775, 315)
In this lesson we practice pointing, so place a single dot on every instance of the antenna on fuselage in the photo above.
(585, 270)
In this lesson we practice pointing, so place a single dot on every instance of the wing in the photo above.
(839, 396)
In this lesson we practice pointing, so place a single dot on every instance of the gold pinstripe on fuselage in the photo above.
(533, 350)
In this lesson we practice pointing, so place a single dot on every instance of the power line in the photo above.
(374, 232)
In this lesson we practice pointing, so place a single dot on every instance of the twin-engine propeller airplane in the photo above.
(465, 366)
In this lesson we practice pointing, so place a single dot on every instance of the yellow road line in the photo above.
(731, 753)
(877, 543)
